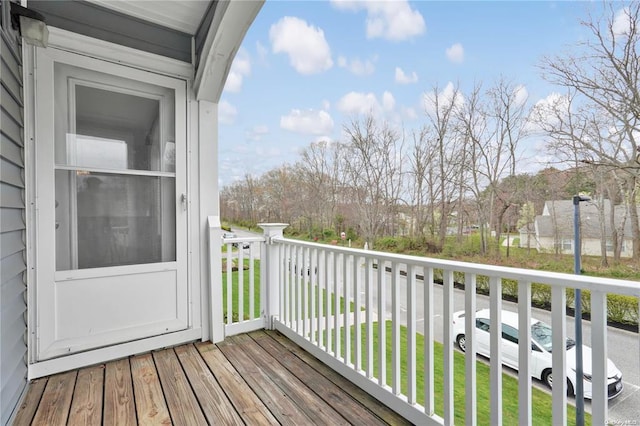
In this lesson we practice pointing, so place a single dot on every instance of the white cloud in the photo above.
(262, 51)
(445, 97)
(355, 103)
(240, 68)
(391, 20)
(621, 22)
(257, 132)
(227, 113)
(356, 66)
(455, 53)
(546, 111)
(521, 95)
(402, 78)
(310, 122)
(308, 50)
(388, 101)
(326, 105)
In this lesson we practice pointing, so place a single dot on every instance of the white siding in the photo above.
(13, 348)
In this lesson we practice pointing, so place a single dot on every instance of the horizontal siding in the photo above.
(11, 196)
(12, 266)
(11, 243)
(12, 104)
(11, 220)
(11, 174)
(11, 151)
(13, 307)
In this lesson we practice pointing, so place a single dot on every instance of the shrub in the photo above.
(622, 309)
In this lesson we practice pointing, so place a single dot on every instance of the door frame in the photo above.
(197, 328)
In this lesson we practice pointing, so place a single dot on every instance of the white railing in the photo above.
(242, 309)
(356, 309)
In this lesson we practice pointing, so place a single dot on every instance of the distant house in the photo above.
(554, 228)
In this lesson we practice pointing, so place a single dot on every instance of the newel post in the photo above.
(270, 277)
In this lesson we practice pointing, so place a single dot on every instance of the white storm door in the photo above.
(110, 210)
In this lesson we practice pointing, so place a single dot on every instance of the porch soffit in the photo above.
(205, 33)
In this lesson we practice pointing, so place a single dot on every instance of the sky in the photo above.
(308, 68)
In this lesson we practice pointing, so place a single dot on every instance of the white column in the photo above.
(206, 186)
(270, 275)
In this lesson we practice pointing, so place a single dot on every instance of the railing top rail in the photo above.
(585, 282)
(258, 239)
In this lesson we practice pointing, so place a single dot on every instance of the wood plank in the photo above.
(214, 403)
(86, 407)
(56, 400)
(119, 404)
(29, 405)
(335, 396)
(182, 403)
(280, 405)
(314, 407)
(386, 414)
(246, 402)
(150, 403)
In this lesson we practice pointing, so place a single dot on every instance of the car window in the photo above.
(509, 333)
(482, 324)
(541, 333)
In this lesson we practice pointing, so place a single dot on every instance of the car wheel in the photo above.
(547, 378)
(462, 342)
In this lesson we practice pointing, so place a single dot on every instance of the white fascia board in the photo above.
(223, 40)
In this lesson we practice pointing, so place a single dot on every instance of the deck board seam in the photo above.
(320, 396)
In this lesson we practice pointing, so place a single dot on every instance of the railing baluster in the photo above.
(313, 258)
(328, 305)
(298, 289)
(599, 401)
(240, 285)
(346, 317)
(411, 334)
(229, 285)
(395, 328)
(447, 319)
(382, 328)
(336, 305)
(252, 284)
(304, 281)
(559, 338)
(283, 288)
(470, 355)
(524, 353)
(357, 289)
(288, 286)
(495, 309)
(322, 285)
(429, 404)
(369, 313)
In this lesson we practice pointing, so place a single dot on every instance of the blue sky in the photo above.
(306, 68)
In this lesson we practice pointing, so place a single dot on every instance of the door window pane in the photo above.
(113, 219)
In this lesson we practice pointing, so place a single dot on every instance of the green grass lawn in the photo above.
(256, 308)
(541, 400)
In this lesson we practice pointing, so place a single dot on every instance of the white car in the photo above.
(540, 350)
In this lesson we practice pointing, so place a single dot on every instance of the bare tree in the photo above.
(372, 164)
(603, 71)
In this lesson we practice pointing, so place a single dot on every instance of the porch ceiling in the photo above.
(184, 16)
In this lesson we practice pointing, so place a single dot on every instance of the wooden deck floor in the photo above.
(254, 379)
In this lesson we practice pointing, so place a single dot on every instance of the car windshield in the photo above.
(541, 334)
